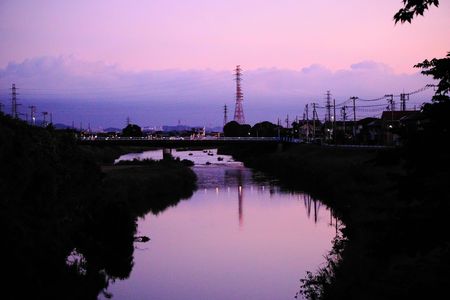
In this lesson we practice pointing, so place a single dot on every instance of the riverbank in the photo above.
(394, 244)
(149, 185)
(105, 155)
(69, 228)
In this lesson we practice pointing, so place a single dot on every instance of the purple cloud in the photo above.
(105, 95)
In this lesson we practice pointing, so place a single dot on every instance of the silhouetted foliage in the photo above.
(234, 129)
(67, 228)
(412, 8)
(394, 242)
(439, 69)
(265, 129)
(132, 130)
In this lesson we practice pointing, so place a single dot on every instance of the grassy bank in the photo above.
(106, 155)
(149, 185)
(394, 244)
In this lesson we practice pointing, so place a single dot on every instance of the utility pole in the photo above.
(344, 116)
(314, 120)
(328, 106)
(391, 101)
(14, 104)
(391, 105)
(128, 121)
(287, 121)
(354, 118)
(278, 126)
(44, 115)
(225, 115)
(307, 122)
(403, 98)
(334, 120)
(328, 116)
(32, 114)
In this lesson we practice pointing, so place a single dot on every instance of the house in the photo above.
(392, 126)
(368, 131)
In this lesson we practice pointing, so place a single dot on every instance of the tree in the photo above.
(132, 130)
(234, 129)
(412, 8)
(439, 69)
(265, 129)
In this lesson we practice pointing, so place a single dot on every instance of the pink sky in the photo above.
(168, 61)
(198, 34)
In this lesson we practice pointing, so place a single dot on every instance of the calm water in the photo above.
(238, 237)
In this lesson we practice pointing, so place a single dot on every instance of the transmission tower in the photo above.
(239, 110)
(225, 115)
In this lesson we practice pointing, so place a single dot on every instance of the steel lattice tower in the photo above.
(239, 110)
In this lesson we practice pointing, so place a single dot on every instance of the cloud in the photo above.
(368, 65)
(105, 94)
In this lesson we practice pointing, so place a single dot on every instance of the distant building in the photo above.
(368, 131)
(392, 125)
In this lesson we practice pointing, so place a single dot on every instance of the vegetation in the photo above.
(262, 129)
(265, 129)
(106, 154)
(394, 243)
(69, 228)
(234, 129)
(412, 8)
(132, 130)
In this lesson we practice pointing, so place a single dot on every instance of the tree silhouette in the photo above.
(234, 129)
(412, 8)
(439, 69)
(132, 130)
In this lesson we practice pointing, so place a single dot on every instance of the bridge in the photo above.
(181, 142)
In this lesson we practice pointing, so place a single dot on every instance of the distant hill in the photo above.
(112, 129)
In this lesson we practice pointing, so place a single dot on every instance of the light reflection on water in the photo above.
(240, 236)
(199, 157)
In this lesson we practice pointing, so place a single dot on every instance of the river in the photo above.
(240, 236)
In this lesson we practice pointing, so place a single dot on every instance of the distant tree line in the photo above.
(262, 129)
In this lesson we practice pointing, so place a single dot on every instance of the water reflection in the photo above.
(240, 200)
(312, 206)
(236, 178)
(211, 247)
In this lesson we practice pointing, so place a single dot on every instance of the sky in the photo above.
(170, 61)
